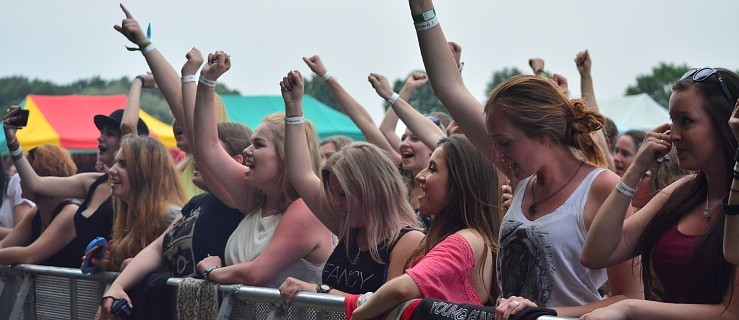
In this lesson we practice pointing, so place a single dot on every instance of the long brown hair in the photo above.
(538, 108)
(154, 187)
(473, 202)
(713, 274)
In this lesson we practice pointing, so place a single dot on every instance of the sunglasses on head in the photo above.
(701, 74)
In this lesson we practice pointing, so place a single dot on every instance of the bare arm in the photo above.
(20, 235)
(297, 235)
(130, 118)
(208, 151)
(447, 83)
(298, 168)
(390, 121)
(583, 62)
(388, 297)
(60, 232)
(353, 109)
(731, 224)
(421, 126)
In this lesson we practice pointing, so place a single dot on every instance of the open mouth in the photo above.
(249, 164)
(407, 154)
(102, 148)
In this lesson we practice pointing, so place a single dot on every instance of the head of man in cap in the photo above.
(110, 137)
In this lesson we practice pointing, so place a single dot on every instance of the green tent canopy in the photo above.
(251, 109)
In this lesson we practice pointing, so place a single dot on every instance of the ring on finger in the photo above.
(661, 141)
(516, 303)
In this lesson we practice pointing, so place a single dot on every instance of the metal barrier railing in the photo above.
(37, 292)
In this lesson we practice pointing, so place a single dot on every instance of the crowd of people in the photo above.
(527, 204)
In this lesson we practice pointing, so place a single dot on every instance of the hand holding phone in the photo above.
(17, 119)
(95, 249)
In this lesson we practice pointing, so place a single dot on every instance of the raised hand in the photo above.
(456, 52)
(537, 65)
(148, 80)
(560, 82)
(583, 62)
(218, 63)
(130, 28)
(292, 90)
(11, 117)
(194, 61)
(381, 85)
(416, 80)
(316, 65)
(734, 121)
(656, 144)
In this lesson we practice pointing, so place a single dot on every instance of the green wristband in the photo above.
(426, 16)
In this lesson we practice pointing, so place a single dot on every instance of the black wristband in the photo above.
(106, 297)
(729, 209)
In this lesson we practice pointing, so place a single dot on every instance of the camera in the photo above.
(120, 309)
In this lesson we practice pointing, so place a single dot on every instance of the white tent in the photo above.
(638, 112)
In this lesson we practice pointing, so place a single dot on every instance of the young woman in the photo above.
(625, 149)
(561, 187)
(678, 235)
(148, 197)
(14, 206)
(94, 217)
(360, 198)
(205, 226)
(455, 259)
(330, 145)
(279, 236)
(28, 241)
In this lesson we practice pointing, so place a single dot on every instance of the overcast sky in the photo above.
(63, 41)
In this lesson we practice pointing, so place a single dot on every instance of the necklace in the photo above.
(707, 213)
(532, 208)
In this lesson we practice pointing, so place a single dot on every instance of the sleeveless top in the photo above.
(355, 271)
(671, 261)
(36, 221)
(250, 239)
(10, 200)
(204, 229)
(540, 259)
(99, 224)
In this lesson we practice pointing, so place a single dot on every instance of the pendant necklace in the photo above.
(532, 207)
(707, 213)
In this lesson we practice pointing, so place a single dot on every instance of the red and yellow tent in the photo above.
(67, 121)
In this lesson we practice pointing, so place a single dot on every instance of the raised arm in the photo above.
(447, 82)
(130, 118)
(415, 81)
(63, 187)
(352, 108)
(610, 239)
(298, 168)
(583, 62)
(208, 151)
(166, 77)
(421, 126)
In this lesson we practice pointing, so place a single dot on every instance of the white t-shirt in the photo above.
(12, 198)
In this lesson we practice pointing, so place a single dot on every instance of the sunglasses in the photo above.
(701, 74)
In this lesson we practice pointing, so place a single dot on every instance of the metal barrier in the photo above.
(37, 292)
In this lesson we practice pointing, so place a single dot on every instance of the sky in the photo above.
(63, 41)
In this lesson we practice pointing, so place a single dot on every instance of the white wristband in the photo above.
(148, 48)
(16, 152)
(190, 78)
(294, 120)
(423, 26)
(393, 98)
(626, 190)
(209, 83)
(326, 75)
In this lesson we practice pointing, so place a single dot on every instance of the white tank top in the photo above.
(252, 236)
(540, 260)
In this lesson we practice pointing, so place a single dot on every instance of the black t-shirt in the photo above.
(204, 229)
(357, 272)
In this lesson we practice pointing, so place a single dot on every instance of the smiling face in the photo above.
(434, 181)
(692, 133)
(261, 158)
(513, 150)
(119, 179)
(625, 151)
(414, 152)
(109, 142)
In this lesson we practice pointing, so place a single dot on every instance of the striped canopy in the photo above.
(68, 121)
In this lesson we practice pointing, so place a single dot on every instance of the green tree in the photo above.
(501, 76)
(317, 88)
(422, 100)
(658, 84)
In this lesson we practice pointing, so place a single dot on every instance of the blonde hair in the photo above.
(276, 123)
(154, 187)
(367, 175)
(538, 108)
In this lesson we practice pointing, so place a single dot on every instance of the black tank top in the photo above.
(36, 222)
(356, 272)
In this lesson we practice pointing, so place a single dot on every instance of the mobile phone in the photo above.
(22, 120)
(95, 249)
